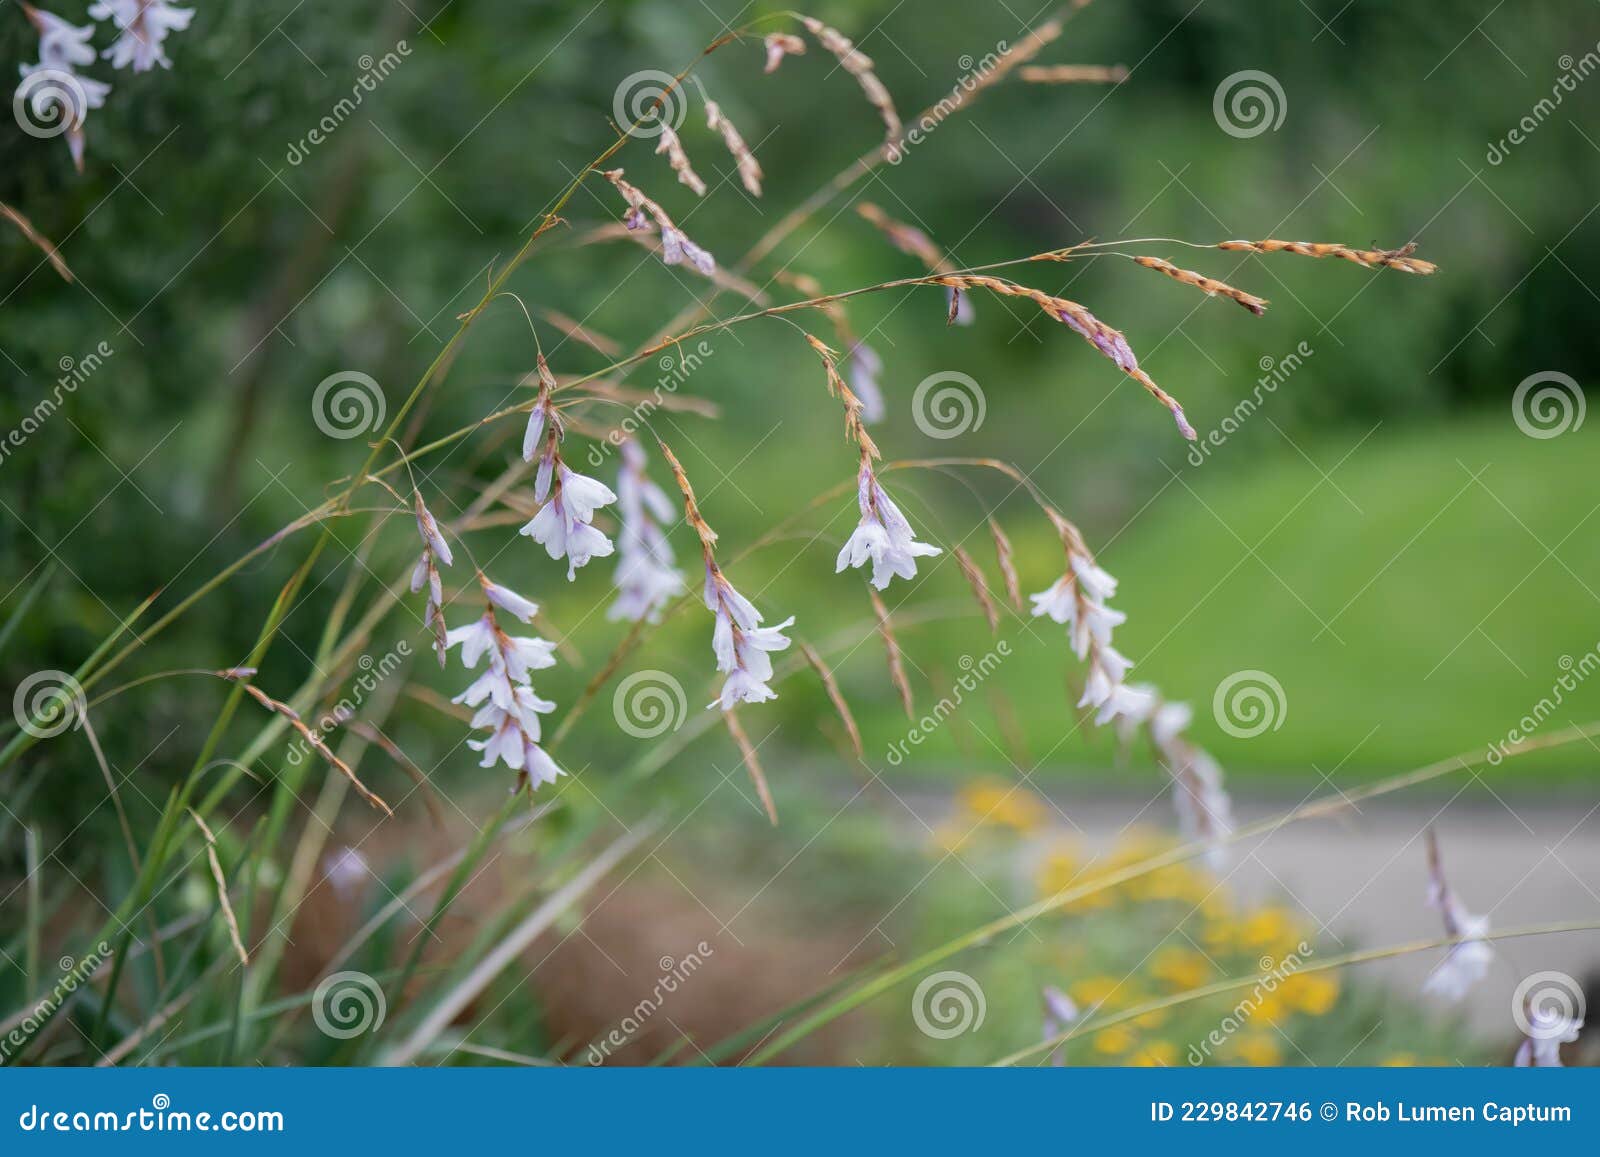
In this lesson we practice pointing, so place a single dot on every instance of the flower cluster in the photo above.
(1548, 1030)
(743, 647)
(564, 525)
(426, 573)
(1466, 962)
(883, 535)
(646, 577)
(54, 90)
(508, 708)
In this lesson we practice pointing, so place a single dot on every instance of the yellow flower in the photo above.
(1399, 1061)
(1094, 990)
(1273, 930)
(1155, 1018)
(1116, 1039)
(1002, 803)
(1313, 993)
(1181, 968)
(1257, 1049)
(1157, 1052)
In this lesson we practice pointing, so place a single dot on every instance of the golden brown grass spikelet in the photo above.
(831, 686)
(222, 888)
(1074, 74)
(25, 227)
(897, 667)
(679, 160)
(691, 509)
(314, 741)
(854, 428)
(859, 65)
(748, 752)
(980, 589)
(1008, 567)
(1207, 285)
(749, 169)
(1372, 258)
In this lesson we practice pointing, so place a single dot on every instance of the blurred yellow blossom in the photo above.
(1157, 1053)
(992, 801)
(1094, 990)
(1116, 1039)
(1311, 992)
(1181, 968)
(1257, 1049)
(1399, 1061)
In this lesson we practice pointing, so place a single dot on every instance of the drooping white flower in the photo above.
(508, 708)
(145, 25)
(563, 525)
(646, 578)
(1467, 962)
(52, 89)
(743, 647)
(884, 535)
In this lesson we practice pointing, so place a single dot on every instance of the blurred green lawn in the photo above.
(1414, 592)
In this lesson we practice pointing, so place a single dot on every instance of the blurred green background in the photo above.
(1380, 537)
